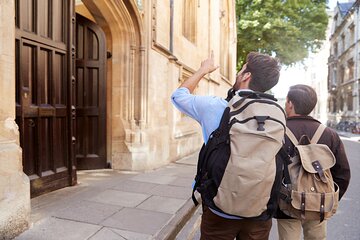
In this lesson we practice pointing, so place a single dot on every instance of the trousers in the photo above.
(291, 229)
(214, 227)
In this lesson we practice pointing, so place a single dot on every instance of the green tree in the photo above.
(287, 28)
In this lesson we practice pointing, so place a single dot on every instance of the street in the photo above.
(344, 225)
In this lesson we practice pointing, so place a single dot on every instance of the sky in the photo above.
(295, 75)
(332, 4)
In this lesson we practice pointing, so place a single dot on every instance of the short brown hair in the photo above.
(303, 97)
(264, 69)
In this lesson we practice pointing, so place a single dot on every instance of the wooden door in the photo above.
(90, 95)
(44, 66)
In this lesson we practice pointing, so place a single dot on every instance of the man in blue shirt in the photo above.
(260, 73)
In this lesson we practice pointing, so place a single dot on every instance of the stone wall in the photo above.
(148, 63)
(14, 184)
(173, 134)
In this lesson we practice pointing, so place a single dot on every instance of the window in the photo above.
(341, 104)
(334, 80)
(349, 101)
(350, 69)
(333, 105)
(336, 49)
(342, 74)
(343, 42)
(352, 33)
(189, 20)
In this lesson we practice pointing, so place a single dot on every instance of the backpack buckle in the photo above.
(318, 168)
(261, 122)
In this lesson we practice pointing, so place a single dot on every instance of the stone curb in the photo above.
(174, 226)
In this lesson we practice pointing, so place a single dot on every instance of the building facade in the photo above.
(316, 74)
(87, 85)
(343, 65)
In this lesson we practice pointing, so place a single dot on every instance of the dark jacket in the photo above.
(306, 125)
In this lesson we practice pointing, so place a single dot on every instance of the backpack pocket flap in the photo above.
(315, 156)
(313, 201)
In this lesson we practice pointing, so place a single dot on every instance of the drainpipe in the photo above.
(356, 83)
(171, 47)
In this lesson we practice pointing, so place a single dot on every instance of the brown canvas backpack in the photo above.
(310, 192)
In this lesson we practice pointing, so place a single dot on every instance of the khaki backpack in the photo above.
(239, 171)
(308, 191)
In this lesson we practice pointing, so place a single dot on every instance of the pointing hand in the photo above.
(208, 65)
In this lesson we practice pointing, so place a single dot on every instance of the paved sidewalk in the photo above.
(116, 205)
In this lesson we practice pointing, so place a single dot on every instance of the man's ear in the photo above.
(246, 77)
(291, 105)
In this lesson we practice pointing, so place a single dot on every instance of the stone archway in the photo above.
(126, 87)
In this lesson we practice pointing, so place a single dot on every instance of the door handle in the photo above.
(31, 123)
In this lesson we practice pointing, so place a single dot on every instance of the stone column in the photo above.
(14, 184)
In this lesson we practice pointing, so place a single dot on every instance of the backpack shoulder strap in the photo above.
(208, 147)
(319, 131)
(291, 136)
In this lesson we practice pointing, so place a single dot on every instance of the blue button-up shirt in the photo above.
(206, 110)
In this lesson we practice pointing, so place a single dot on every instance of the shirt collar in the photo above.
(243, 90)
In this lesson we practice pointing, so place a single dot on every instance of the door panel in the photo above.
(43, 102)
(90, 95)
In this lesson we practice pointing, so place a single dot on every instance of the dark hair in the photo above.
(303, 97)
(264, 69)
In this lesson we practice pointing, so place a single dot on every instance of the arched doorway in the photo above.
(46, 88)
(126, 85)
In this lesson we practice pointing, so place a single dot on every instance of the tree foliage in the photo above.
(287, 28)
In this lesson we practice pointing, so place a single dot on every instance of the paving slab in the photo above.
(135, 186)
(172, 191)
(138, 220)
(102, 177)
(89, 212)
(177, 170)
(108, 234)
(182, 182)
(55, 229)
(153, 177)
(116, 234)
(119, 198)
(162, 204)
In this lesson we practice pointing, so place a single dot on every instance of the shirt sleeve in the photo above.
(192, 105)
